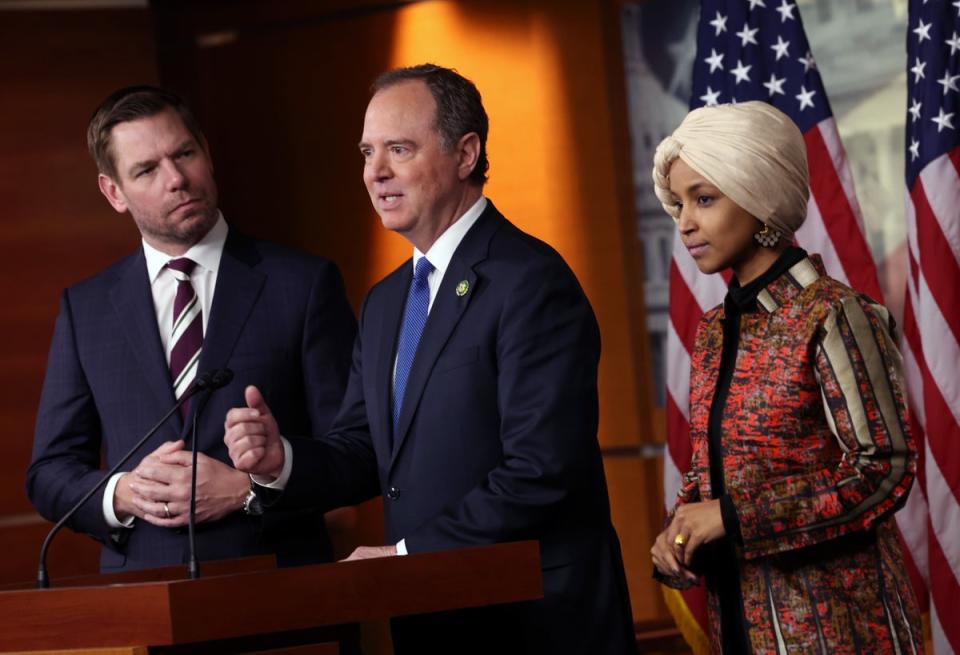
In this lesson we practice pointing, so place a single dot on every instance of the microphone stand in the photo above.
(193, 566)
(217, 379)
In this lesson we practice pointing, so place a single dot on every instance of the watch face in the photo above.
(252, 504)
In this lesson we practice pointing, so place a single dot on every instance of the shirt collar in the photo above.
(745, 297)
(206, 252)
(441, 252)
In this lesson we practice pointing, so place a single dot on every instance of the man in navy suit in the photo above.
(130, 340)
(472, 402)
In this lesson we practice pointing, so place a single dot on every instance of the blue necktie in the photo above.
(414, 318)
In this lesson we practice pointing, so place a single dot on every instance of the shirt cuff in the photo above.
(731, 522)
(108, 514)
(402, 547)
(281, 482)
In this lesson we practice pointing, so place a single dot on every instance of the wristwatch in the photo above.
(251, 504)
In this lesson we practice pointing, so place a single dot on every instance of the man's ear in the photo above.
(112, 192)
(468, 151)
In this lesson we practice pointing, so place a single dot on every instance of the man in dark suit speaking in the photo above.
(196, 296)
(472, 400)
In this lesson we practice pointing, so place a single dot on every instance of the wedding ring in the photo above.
(166, 510)
(679, 540)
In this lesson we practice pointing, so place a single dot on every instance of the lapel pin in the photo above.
(462, 287)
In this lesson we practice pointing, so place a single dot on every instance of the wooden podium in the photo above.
(233, 609)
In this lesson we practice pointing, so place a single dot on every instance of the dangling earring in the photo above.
(767, 237)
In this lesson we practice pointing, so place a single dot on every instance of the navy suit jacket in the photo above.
(496, 442)
(279, 319)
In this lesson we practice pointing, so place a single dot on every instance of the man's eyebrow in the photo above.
(389, 142)
(187, 143)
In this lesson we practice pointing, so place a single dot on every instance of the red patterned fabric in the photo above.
(817, 456)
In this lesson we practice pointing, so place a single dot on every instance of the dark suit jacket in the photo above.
(497, 442)
(279, 319)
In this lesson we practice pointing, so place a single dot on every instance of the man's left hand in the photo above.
(162, 485)
(371, 552)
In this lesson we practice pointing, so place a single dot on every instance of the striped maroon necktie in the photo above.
(187, 336)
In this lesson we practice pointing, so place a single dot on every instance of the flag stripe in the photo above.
(941, 185)
(944, 514)
(945, 594)
(678, 373)
(938, 263)
(813, 237)
(838, 158)
(940, 429)
(839, 217)
(685, 310)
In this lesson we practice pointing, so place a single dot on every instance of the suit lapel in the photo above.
(395, 297)
(133, 303)
(238, 286)
(448, 308)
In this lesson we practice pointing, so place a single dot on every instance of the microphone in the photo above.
(209, 381)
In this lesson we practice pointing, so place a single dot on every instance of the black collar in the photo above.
(744, 299)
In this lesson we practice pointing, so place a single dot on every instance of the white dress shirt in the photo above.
(206, 253)
(439, 254)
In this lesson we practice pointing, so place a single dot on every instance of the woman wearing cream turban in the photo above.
(801, 445)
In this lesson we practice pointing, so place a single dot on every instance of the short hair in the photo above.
(129, 104)
(459, 107)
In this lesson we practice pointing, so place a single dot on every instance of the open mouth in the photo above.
(389, 200)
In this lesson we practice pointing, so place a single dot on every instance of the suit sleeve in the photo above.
(327, 343)
(547, 353)
(859, 370)
(67, 438)
(339, 468)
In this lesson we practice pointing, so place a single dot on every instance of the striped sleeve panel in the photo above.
(860, 372)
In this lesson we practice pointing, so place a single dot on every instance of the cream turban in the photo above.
(751, 151)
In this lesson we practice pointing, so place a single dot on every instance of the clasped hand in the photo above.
(693, 525)
(158, 489)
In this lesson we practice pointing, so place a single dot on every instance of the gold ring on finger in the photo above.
(166, 510)
(679, 540)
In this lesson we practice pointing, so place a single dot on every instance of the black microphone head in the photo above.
(211, 380)
(221, 378)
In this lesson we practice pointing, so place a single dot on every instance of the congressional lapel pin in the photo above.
(462, 287)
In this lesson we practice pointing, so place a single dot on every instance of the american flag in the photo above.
(757, 50)
(932, 309)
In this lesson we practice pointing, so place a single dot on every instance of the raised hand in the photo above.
(253, 438)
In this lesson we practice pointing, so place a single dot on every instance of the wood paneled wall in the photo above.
(280, 89)
(56, 228)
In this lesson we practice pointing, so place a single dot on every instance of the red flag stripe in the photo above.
(938, 263)
(838, 157)
(941, 429)
(945, 593)
(941, 432)
(839, 218)
(685, 311)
